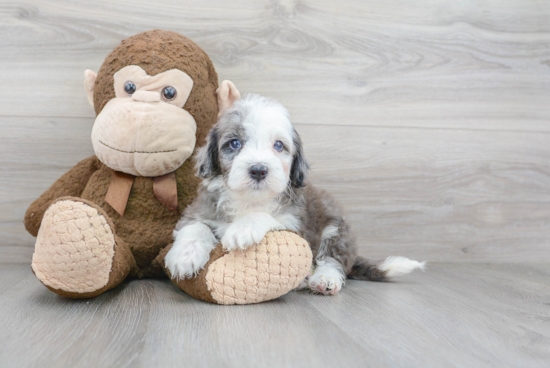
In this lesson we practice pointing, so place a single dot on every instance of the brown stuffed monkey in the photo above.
(112, 215)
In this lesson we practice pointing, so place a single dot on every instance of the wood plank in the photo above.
(452, 315)
(12, 274)
(280, 333)
(34, 152)
(455, 315)
(476, 65)
(152, 322)
(436, 194)
(64, 332)
(443, 194)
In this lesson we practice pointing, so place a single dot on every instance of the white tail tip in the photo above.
(398, 266)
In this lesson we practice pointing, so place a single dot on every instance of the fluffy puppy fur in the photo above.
(254, 174)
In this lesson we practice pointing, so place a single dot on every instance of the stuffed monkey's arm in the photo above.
(72, 183)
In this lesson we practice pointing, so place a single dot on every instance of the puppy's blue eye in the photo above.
(278, 146)
(235, 144)
(129, 87)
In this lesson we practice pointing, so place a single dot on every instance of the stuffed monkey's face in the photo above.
(144, 130)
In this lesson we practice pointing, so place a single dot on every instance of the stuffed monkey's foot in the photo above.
(77, 253)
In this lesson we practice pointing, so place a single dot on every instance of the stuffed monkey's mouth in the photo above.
(119, 150)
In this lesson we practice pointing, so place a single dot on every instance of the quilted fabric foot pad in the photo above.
(74, 248)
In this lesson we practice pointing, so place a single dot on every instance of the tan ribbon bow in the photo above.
(164, 188)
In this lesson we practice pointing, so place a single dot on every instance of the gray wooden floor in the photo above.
(453, 315)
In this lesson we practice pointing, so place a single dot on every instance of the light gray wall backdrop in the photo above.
(429, 119)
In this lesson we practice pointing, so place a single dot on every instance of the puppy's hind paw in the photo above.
(326, 283)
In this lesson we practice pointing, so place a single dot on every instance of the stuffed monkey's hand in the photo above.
(249, 230)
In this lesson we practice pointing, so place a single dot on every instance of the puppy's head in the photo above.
(254, 148)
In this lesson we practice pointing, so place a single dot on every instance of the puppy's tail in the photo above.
(363, 269)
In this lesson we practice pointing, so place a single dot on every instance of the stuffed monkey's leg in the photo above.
(77, 252)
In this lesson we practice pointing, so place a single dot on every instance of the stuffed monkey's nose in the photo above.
(146, 96)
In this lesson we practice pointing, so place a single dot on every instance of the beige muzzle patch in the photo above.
(143, 138)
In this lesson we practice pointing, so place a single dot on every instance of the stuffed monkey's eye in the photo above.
(169, 93)
(278, 146)
(129, 87)
(235, 144)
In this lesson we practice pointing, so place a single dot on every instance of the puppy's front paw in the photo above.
(242, 236)
(326, 282)
(186, 258)
(249, 230)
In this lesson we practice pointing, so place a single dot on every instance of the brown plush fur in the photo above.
(146, 227)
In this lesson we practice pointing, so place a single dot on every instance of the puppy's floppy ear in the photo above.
(207, 162)
(298, 171)
(227, 95)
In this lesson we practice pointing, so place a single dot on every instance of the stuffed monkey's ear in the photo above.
(227, 95)
(89, 83)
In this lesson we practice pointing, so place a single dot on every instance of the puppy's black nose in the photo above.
(258, 172)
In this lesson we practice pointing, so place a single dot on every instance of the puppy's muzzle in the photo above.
(258, 172)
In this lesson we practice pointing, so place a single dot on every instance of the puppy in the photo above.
(254, 174)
